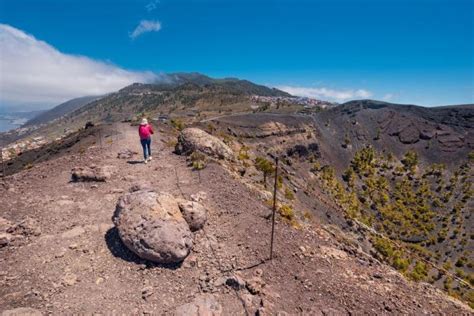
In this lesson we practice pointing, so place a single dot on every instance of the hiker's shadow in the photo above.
(119, 250)
(134, 162)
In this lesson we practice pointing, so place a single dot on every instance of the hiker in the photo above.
(145, 131)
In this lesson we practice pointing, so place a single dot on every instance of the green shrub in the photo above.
(347, 141)
(316, 167)
(470, 156)
(447, 265)
(349, 176)
(265, 166)
(377, 134)
(243, 153)
(286, 211)
(384, 247)
(198, 160)
(364, 160)
(178, 124)
(419, 272)
(448, 284)
(211, 128)
(459, 273)
(289, 194)
(399, 263)
(410, 160)
(461, 262)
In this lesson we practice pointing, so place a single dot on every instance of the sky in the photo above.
(402, 51)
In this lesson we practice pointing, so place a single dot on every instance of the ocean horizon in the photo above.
(6, 125)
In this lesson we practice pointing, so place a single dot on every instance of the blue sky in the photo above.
(406, 51)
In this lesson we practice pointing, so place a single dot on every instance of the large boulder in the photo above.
(151, 225)
(194, 139)
(87, 174)
(409, 135)
(194, 213)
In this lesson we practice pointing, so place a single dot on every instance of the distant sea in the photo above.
(12, 120)
(6, 125)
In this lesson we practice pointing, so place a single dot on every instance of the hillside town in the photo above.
(303, 101)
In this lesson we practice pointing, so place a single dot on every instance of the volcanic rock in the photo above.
(141, 186)
(409, 135)
(194, 213)
(126, 154)
(26, 227)
(151, 225)
(235, 282)
(194, 139)
(86, 174)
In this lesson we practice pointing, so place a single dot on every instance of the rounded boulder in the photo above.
(195, 139)
(151, 225)
(194, 213)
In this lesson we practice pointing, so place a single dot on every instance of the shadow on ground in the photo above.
(119, 250)
(134, 162)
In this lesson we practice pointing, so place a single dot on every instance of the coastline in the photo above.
(9, 124)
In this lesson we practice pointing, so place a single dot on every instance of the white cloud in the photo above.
(145, 26)
(387, 97)
(152, 5)
(326, 94)
(33, 73)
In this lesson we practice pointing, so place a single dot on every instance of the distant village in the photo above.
(303, 101)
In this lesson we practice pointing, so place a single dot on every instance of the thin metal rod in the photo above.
(3, 163)
(100, 138)
(274, 206)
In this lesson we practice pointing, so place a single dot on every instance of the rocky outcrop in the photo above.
(303, 151)
(16, 234)
(151, 225)
(450, 142)
(277, 129)
(141, 186)
(27, 227)
(265, 125)
(194, 213)
(90, 174)
(205, 305)
(409, 135)
(126, 154)
(194, 139)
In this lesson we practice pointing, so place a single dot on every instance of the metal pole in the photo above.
(100, 138)
(3, 163)
(274, 206)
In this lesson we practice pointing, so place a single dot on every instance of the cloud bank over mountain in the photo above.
(34, 74)
(326, 93)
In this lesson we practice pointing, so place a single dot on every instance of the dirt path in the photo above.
(79, 265)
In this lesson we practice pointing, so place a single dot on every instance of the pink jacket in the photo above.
(145, 131)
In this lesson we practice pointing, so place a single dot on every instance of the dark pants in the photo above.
(146, 147)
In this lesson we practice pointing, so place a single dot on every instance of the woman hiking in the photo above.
(145, 131)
